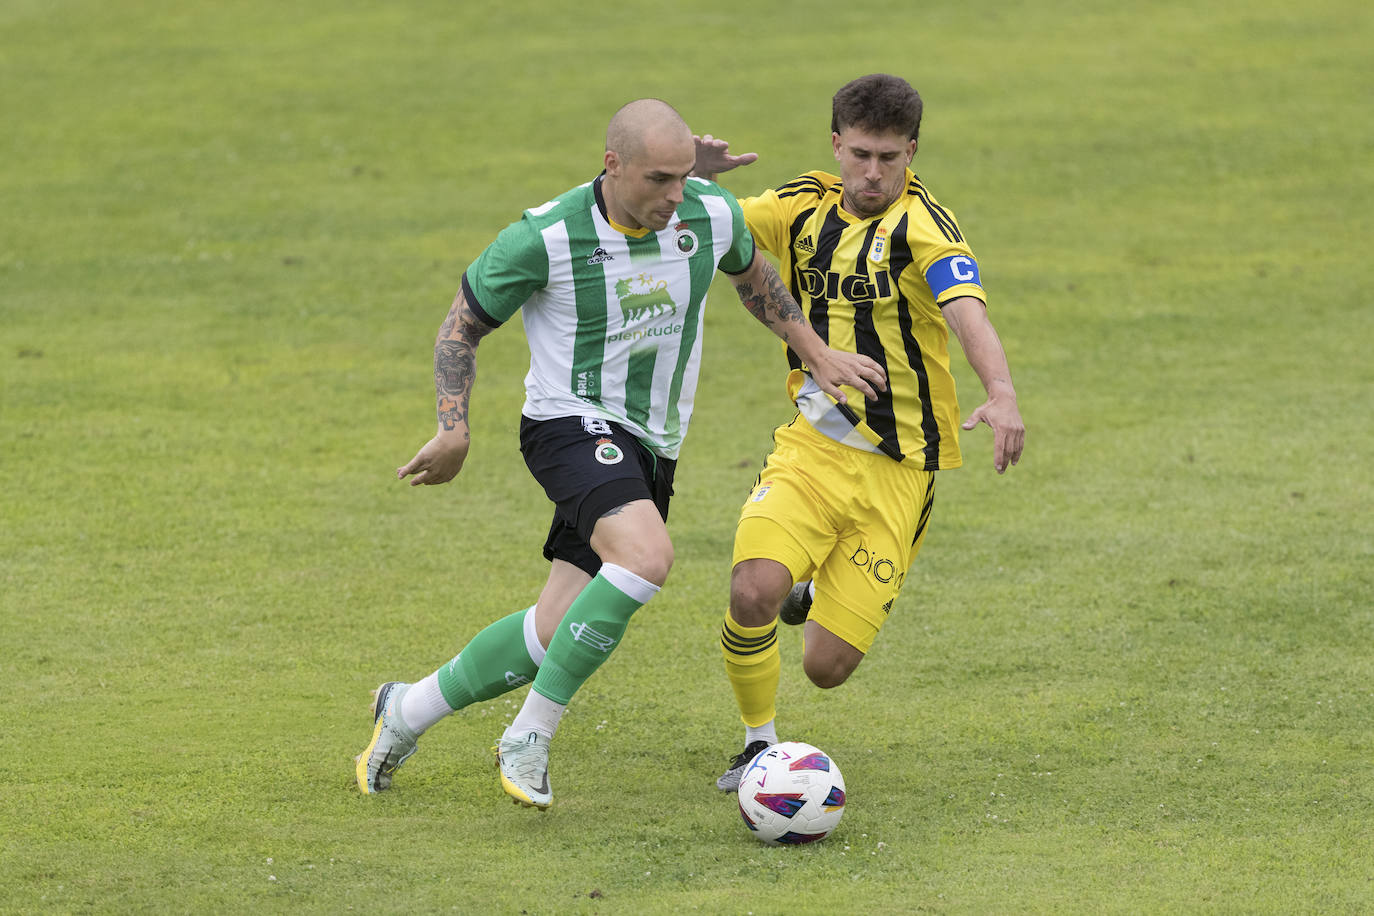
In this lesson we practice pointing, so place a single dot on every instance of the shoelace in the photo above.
(527, 759)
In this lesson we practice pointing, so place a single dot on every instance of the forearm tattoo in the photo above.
(756, 303)
(773, 305)
(455, 365)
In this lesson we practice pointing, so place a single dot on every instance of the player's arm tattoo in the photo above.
(770, 302)
(455, 363)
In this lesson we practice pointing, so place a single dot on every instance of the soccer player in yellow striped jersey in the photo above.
(842, 503)
(870, 286)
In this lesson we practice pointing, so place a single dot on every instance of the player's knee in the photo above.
(827, 670)
(826, 674)
(652, 564)
(652, 560)
(752, 603)
(633, 537)
(659, 565)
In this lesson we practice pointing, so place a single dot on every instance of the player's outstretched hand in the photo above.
(837, 367)
(439, 460)
(1008, 430)
(714, 157)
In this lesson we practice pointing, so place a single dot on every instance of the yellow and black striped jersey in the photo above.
(874, 286)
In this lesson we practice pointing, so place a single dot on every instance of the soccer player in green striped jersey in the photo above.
(610, 279)
(842, 504)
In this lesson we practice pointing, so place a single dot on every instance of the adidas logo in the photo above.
(600, 256)
(806, 245)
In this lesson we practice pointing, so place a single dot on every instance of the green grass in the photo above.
(1132, 675)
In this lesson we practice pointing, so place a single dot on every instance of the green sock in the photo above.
(494, 662)
(590, 631)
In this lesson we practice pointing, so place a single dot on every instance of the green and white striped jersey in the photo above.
(614, 320)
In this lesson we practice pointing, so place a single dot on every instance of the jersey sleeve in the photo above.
(767, 221)
(512, 269)
(945, 259)
(741, 252)
(953, 275)
(772, 215)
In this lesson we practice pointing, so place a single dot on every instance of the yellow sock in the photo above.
(753, 664)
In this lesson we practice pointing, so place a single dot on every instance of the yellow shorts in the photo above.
(850, 520)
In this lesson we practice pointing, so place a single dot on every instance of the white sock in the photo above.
(533, 646)
(539, 714)
(765, 732)
(636, 587)
(423, 704)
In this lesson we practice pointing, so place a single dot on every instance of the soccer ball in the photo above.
(791, 793)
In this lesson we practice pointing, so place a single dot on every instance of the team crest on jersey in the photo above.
(875, 254)
(600, 256)
(607, 452)
(761, 492)
(685, 240)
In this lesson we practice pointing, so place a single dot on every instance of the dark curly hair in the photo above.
(878, 102)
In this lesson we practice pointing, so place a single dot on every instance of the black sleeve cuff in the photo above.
(476, 306)
(736, 273)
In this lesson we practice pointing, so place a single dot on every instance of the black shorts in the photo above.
(587, 467)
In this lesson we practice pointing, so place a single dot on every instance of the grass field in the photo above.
(1133, 675)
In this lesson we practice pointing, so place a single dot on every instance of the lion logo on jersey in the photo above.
(641, 297)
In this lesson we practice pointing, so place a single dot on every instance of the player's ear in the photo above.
(611, 162)
(835, 144)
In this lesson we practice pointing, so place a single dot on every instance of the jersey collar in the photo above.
(601, 205)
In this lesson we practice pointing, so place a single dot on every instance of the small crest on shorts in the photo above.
(607, 452)
(760, 492)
